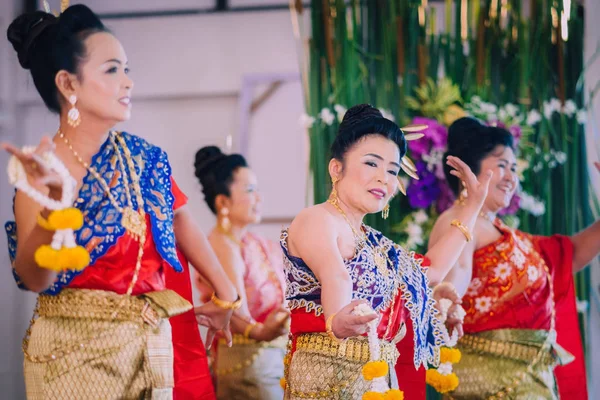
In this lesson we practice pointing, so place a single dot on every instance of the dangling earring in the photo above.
(333, 197)
(224, 222)
(385, 213)
(73, 117)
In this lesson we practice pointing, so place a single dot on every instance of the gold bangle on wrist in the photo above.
(249, 328)
(465, 231)
(43, 223)
(226, 305)
(329, 329)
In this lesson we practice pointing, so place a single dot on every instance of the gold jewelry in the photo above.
(133, 221)
(329, 329)
(226, 305)
(385, 213)
(229, 235)
(465, 231)
(333, 197)
(73, 116)
(486, 216)
(43, 223)
(224, 222)
(360, 240)
(249, 328)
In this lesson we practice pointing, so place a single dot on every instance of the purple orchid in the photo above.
(436, 137)
(422, 193)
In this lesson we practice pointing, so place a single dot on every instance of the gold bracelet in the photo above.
(44, 224)
(462, 228)
(329, 329)
(226, 305)
(249, 328)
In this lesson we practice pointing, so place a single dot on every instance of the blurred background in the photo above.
(270, 79)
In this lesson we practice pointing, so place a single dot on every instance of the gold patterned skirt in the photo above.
(250, 370)
(320, 368)
(509, 364)
(93, 344)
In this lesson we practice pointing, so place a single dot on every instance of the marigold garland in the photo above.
(374, 369)
(449, 355)
(373, 396)
(441, 383)
(69, 218)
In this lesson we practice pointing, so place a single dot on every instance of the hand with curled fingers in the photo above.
(477, 190)
(346, 324)
(215, 319)
(38, 174)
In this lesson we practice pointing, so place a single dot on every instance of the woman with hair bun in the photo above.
(518, 293)
(253, 367)
(335, 263)
(103, 332)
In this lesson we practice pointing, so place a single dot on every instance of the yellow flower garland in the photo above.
(441, 383)
(69, 218)
(374, 369)
(449, 355)
(71, 258)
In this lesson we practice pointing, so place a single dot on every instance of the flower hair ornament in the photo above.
(62, 253)
(376, 369)
(442, 379)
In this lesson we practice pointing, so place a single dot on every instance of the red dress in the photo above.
(493, 301)
(113, 272)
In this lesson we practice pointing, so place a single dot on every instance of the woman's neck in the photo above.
(86, 138)
(355, 217)
(487, 213)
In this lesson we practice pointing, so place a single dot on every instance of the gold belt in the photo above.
(241, 340)
(512, 350)
(354, 349)
(110, 306)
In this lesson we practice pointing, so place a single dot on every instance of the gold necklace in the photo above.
(230, 236)
(133, 221)
(361, 240)
(486, 217)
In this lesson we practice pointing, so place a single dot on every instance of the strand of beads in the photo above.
(62, 253)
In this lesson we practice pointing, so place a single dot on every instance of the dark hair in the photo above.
(215, 172)
(360, 121)
(472, 141)
(46, 44)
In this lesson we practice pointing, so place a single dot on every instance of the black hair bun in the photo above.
(79, 18)
(358, 114)
(465, 130)
(23, 31)
(206, 158)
